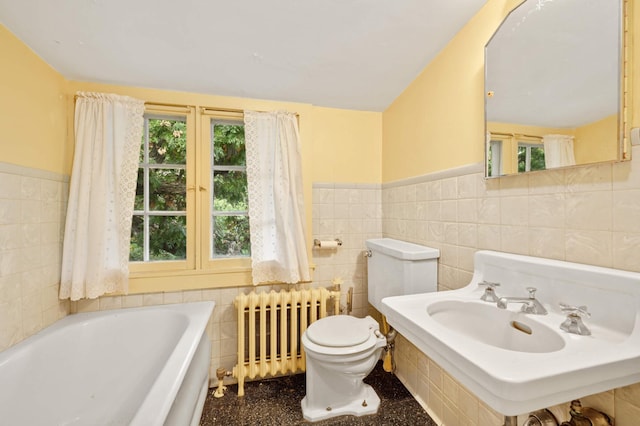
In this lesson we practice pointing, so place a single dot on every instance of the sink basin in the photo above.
(485, 323)
(517, 362)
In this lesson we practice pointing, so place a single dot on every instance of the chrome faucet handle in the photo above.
(573, 324)
(532, 292)
(489, 294)
(575, 310)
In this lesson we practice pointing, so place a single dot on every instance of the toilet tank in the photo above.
(397, 268)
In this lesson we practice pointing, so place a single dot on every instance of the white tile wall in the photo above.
(32, 206)
(450, 404)
(588, 214)
(352, 213)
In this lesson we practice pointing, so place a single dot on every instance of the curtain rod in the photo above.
(75, 97)
(515, 135)
(202, 108)
(232, 110)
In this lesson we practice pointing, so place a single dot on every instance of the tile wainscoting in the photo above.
(450, 404)
(352, 213)
(588, 214)
(32, 211)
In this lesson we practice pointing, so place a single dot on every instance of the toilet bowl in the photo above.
(341, 351)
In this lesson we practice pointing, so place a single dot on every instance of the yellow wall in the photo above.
(437, 123)
(347, 146)
(33, 115)
(337, 146)
(597, 141)
(36, 109)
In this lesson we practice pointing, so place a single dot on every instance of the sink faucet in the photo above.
(489, 294)
(530, 305)
(573, 323)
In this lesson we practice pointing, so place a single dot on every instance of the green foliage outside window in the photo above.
(159, 220)
(536, 158)
(165, 163)
(230, 222)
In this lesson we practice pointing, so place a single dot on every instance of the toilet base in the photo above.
(354, 408)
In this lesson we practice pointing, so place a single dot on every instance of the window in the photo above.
(191, 208)
(158, 231)
(229, 200)
(530, 156)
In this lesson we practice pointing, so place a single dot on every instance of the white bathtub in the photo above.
(142, 366)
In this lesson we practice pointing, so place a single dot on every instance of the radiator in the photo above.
(270, 326)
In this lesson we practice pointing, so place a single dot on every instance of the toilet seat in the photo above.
(340, 331)
(342, 335)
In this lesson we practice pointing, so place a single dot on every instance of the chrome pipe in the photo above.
(510, 420)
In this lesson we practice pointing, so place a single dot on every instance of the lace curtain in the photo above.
(108, 130)
(494, 152)
(558, 151)
(276, 204)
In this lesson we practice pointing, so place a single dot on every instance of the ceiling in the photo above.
(353, 54)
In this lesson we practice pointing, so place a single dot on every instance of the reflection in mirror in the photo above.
(553, 86)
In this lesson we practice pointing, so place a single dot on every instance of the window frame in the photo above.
(188, 114)
(213, 213)
(202, 270)
(207, 262)
(204, 273)
(527, 143)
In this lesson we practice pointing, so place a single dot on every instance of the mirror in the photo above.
(553, 90)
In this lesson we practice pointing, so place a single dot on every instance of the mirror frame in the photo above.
(624, 55)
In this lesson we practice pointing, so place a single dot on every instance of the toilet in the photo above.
(341, 350)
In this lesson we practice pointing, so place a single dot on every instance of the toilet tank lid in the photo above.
(402, 249)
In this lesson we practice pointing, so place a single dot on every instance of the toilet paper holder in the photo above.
(327, 243)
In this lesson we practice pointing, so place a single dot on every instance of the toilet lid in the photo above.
(339, 331)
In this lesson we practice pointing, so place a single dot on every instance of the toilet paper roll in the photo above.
(327, 244)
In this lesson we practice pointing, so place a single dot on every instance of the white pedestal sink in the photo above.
(517, 362)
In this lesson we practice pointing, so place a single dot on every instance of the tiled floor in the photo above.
(277, 402)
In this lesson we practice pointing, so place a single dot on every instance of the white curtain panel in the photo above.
(108, 131)
(276, 203)
(494, 151)
(558, 151)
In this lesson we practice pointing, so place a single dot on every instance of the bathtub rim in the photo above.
(166, 386)
(157, 403)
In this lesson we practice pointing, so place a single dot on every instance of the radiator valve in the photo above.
(220, 374)
(337, 282)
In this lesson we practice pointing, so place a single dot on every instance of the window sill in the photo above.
(162, 281)
(181, 280)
